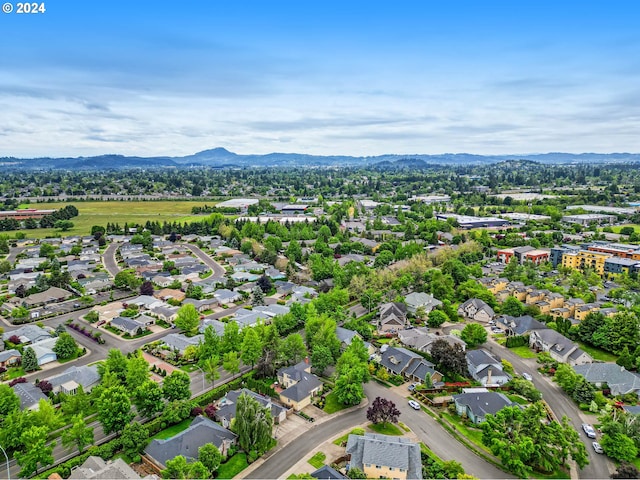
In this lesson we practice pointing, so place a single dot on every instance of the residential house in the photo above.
(202, 305)
(44, 351)
(51, 295)
(96, 468)
(109, 311)
(400, 361)
(226, 297)
(346, 336)
(179, 342)
(485, 368)
(327, 473)
(186, 443)
(384, 456)
(29, 395)
(494, 284)
(165, 313)
(218, 326)
(10, 357)
(392, 317)
(417, 300)
(128, 325)
(300, 385)
(421, 339)
(68, 381)
(226, 411)
(162, 281)
(559, 347)
(477, 403)
(572, 304)
(476, 309)
(582, 311)
(28, 334)
(617, 378)
(523, 325)
(146, 302)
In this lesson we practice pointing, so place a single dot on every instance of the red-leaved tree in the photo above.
(383, 411)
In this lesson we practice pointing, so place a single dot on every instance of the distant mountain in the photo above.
(223, 158)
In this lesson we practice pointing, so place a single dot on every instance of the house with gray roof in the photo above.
(29, 395)
(618, 379)
(477, 403)
(10, 357)
(384, 456)
(421, 339)
(392, 317)
(179, 342)
(44, 350)
(68, 381)
(346, 336)
(300, 385)
(186, 443)
(400, 361)
(165, 312)
(423, 300)
(485, 368)
(523, 325)
(476, 309)
(227, 406)
(28, 334)
(202, 305)
(128, 325)
(217, 325)
(327, 473)
(225, 296)
(99, 469)
(559, 347)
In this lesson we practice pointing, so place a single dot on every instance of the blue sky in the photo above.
(322, 77)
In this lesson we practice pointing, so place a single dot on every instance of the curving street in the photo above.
(109, 259)
(217, 269)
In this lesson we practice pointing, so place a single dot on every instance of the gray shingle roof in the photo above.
(86, 376)
(303, 388)
(29, 394)
(620, 381)
(483, 403)
(327, 473)
(385, 450)
(186, 443)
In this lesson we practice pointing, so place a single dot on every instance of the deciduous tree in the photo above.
(37, 452)
(383, 411)
(66, 346)
(210, 457)
(253, 424)
(188, 319)
(176, 386)
(474, 334)
(79, 435)
(148, 399)
(114, 409)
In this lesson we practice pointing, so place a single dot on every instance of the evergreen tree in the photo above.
(29, 360)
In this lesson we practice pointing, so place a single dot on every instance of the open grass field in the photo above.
(598, 354)
(103, 212)
(617, 228)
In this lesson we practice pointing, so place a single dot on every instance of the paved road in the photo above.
(427, 429)
(561, 405)
(109, 259)
(218, 270)
(13, 253)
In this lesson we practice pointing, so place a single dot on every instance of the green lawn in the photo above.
(332, 405)
(523, 351)
(189, 368)
(597, 353)
(317, 460)
(343, 438)
(100, 213)
(617, 228)
(72, 357)
(385, 429)
(173, 430)
(518, 399)
(233, 466)
(473, 434)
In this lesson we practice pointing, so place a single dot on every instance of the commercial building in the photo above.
(24, 214)
(589, 218)
(584, 259)
(466, 221)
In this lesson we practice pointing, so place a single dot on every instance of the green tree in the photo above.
(115, 363)
(79, 435)
(583, 391)
(37, 454)
(29, 360)
(436, 318)
(231, 338)
(619, 447)
(114, 409)
(134, 438)
(321, 358)
(513, 307)
(251, 347)
(20, 312)
(9, 401)
(349, 389)
(197, 470)
(211, 369)
(231, 362)
(474, 334)
(253, 425)
(137, 371)
(210, 457)
(257, 296)
(66, 346)
(176, 386)
(47, 415)
(566, 377)
(210, 345)
(74, 404)
(293, 349)
(176, 468)
(188, 319)
(148, 399)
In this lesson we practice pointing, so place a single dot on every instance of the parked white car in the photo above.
(588, 430)
(526, 376)
(597, 447)
(413, 404)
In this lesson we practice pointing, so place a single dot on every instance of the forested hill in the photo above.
(222, 158)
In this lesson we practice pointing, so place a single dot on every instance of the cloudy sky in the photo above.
(320, 76)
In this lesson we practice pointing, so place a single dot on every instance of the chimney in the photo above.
(490, 371)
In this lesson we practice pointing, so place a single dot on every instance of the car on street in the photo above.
(597, 447)
(588, 430)
(413, 404)
(526, 376)
(496, 329)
